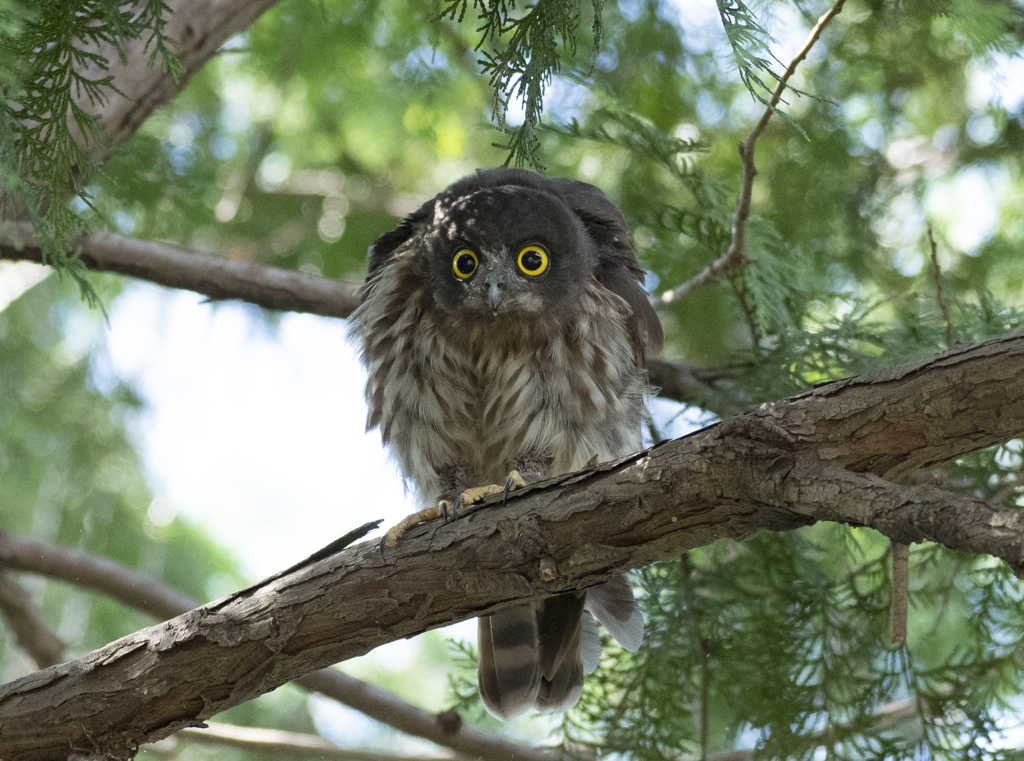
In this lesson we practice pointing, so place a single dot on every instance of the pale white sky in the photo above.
(255, 431)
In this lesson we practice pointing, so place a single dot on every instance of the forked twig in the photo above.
(736, 254)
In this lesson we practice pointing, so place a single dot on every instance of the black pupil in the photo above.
(532, 261)
(465, 264)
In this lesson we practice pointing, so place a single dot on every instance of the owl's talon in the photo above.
(445, 506)
(514, 481)
(396, 532)
(450, 511)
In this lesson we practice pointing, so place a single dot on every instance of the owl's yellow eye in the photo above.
(464, 264)
(533, 260)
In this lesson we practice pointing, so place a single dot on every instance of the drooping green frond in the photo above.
(521, 67)
(56, 80)
(14, 17)
(748, 38)
(710, 219)
(617, 126)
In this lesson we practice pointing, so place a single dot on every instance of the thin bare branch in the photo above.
(444, 729)
(736, 255)
(95, 573)
(220, 279)
(707, 275)
(23, 619)
(275, 742)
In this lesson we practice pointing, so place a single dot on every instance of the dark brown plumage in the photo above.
(504, 327)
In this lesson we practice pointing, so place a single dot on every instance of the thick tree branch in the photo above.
(137, 590)
(816, 456)
(908, 514)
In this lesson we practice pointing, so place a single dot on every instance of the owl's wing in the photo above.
(382, 249)
(618, 268)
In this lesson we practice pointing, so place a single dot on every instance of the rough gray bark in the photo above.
(816, 456)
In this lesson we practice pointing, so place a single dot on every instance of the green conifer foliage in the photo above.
(53, 81)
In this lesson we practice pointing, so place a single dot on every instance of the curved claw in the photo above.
(457, 506)
(514, 481)
(383, 544)
(447, 510)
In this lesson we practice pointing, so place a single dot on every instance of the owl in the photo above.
(504, 328)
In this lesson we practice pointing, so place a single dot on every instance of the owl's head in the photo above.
(506, 249)
(512, 242)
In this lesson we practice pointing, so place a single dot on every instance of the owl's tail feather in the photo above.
(535, 655)
(614, 606)
(560, 631)
(590, 643)
(561, 665)
(508, 666)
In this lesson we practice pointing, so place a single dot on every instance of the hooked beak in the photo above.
(495, 285)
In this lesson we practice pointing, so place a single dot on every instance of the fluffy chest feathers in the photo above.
(479, 393)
